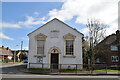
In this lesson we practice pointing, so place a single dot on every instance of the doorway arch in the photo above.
(54, 57)
(54, 48)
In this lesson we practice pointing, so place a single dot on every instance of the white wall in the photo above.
(58, 42)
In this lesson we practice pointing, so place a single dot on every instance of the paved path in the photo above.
(13, 72)
(51, 76)
(10, 65)
(56, 77)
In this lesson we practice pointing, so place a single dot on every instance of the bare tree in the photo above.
(96, 33)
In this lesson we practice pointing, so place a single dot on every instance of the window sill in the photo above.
(39, 55)
(114, 51)
(115, 61)
(69, 56)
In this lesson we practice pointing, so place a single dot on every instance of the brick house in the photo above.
(108, 50)
(5, 54)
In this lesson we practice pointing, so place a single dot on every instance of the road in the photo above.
(13, 69)
(16, 72)
(56, 77)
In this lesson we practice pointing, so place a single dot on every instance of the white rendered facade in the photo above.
(55, 33)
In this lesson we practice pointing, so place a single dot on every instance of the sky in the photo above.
(21, 18)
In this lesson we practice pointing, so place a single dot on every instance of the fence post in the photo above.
(29, 66)
(106, 68)
(42, 65)
(51, 67)
(76, 68)
(60, 68)
(90, 69)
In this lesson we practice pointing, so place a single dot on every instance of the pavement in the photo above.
(56, 77)
(53, 76)
(21, 68)
(115, 73)
(10, 64)
(18, 71)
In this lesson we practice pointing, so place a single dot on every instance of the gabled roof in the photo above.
(106, 39)
(59, 21)
(4, 51)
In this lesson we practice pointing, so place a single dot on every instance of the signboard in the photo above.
(39, 59)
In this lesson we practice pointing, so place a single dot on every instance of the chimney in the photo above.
(7, 48)
(118, 35)
(2, 46)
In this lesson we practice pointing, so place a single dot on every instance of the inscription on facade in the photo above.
(54, 34)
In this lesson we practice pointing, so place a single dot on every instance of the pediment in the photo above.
(40, 36)
(69, 36)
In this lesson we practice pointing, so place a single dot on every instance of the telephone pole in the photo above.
(21, 51)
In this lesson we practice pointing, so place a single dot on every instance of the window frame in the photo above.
(115, 58)
(40, 37)
(113, 48)
(69, 36)
(40, 47)
(70, 53)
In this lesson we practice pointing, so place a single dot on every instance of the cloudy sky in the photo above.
(21, 18)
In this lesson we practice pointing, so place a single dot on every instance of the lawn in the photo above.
(106, 70)
(67, 70)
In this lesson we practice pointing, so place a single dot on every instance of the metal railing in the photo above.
(73, 68)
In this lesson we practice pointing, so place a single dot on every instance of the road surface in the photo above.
(56, 77)
(16, 72)
(13, 69)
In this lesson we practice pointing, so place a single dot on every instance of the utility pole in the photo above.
(15, 54)
(21, 51)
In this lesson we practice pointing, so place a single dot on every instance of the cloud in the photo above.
(9, 25)
(3, 36)
(28, 22)
(31, 21)
(104, 10)
(25, 47)
(36, 13)
(111, 29)
(24, 38)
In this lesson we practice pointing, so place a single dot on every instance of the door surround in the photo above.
(54, 50)
(54, 61)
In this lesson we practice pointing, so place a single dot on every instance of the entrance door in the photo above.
(54, 60)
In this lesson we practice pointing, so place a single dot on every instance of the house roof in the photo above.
(109, 40)
(115, 42)
(4, 51)
(59, 21)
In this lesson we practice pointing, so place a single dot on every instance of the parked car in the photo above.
(25, 61)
